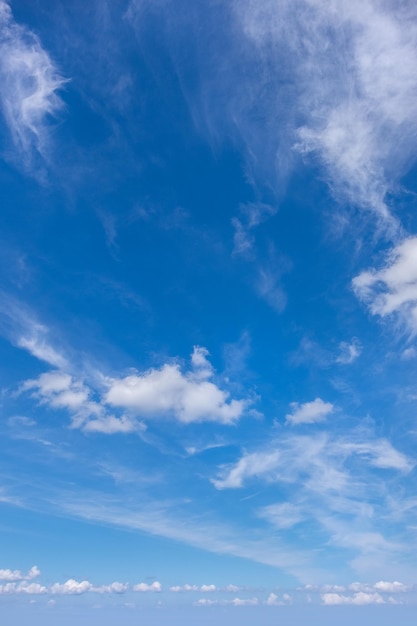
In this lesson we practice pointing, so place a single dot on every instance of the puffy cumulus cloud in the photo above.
(189, 397)
(360, 598)
(23, 587)
(144, 587)
(114, 587)
(30, 83)
(309, 412)
(13, 575)
(71, 587)
(59, 389)
(273, 600)
(208, 588)
(391, 587)
(74, 587)
(392, 290)
(349, 352)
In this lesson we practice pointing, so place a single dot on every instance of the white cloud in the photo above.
(13, 575)
(320, 457)
(206, 602)
(110, 425)
(38, 347)
(30, 82)
(391, 587)
(257, 464)
(18, 583)
(71, 587)
(62, 391)
(360, 598)
(273, 600)
(208, 588)
(309, 412)
(392, 290)
(114, 587)
(234, 602)
(333, 82)
(243, 602)
(23, 587)
(145, 587)
(188, 397)
(349, 352)
(379, 453)
(337, 485)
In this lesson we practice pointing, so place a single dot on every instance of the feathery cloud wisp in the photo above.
(30, 82)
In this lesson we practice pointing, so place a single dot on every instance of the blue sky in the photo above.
(208, 310)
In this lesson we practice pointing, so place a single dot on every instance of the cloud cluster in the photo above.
(191, 396)
(30, 82)
(7, 575)
(360, 598)
(71, 587)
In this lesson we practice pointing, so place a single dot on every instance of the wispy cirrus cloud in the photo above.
(324, 481)
(30, 85)
(304, 80)
(352, 85)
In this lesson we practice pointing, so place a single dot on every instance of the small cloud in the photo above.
(145, 587)
(361, 598)
(71, 587)
(391, 587)
(309, 412)
(349, 352)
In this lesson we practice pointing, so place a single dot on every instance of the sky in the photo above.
(208, 311)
